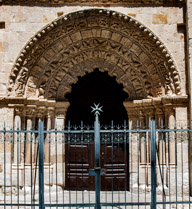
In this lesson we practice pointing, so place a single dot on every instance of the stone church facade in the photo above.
(45, 46)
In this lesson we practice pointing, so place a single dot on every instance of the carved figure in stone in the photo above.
(20, 83)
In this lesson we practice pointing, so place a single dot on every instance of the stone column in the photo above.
(59, 146)
(30, 111)
(142, 139)
(17, 136)
(47, 150)
(161, 156)
(159, 118)
(149, 115)
(61, 110)
(170, 116)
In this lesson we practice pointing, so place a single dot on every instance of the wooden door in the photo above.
(114, 161)
(79, 159)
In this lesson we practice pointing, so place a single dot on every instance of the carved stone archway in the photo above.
(79, 42)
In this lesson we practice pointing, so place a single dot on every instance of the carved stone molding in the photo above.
(152, 107)
(92, 2)
(79, 42)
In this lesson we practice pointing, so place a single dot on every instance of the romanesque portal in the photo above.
(77, 44)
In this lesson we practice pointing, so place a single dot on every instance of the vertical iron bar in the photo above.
(50, 167)
(4, 165)
(118, 153)
(11, 167)
(63, 144)
(145, 162)
(18, 157)
(125, 159)
(169, 164)
(105, 157)
(76, 169)
(153, 164)
(31, 164)
(112, 146)
(97, 159)
(69, 163)
(131, 153)
(56, 132)
(189, 154)
(25, 144)
(82, 174)
(176, 164)
(163, 164)
(88, 154)
(138, 160)
(182, 163)
(41, 165)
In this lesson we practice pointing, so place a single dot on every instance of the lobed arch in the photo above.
(96, 38)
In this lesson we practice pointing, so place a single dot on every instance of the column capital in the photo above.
(159, 111)
(19, 110)
(169, 110)
(61, 109)
(50, 112)
(30, 111)
(41, 112)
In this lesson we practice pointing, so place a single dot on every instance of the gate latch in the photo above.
(96, 171)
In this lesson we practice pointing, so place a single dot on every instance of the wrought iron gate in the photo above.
(111, 166)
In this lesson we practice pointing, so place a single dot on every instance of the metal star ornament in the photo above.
(97, 108)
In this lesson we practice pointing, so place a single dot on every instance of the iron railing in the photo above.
(111, 166)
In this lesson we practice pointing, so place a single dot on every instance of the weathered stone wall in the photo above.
(22, 22)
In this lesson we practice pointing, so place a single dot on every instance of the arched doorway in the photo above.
(71, 46)
(96, 87)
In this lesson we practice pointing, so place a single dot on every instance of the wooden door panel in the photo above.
(79, 160)
(114, 161)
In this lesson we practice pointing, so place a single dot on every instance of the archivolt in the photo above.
(82, 41)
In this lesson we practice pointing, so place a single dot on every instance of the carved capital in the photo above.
(41, 112)
(30, 111)
(61, 109)
(169, 110)
(50, 112)
(159, 111)
(19, 110)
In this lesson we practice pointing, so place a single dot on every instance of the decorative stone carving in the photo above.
(19, 110)
(83, 39)
(41, 112)
(30, 111)
(20, 82)
(61, 109)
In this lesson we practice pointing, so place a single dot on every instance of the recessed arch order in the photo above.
(82, 41)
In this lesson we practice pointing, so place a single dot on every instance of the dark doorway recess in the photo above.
(96, 87)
